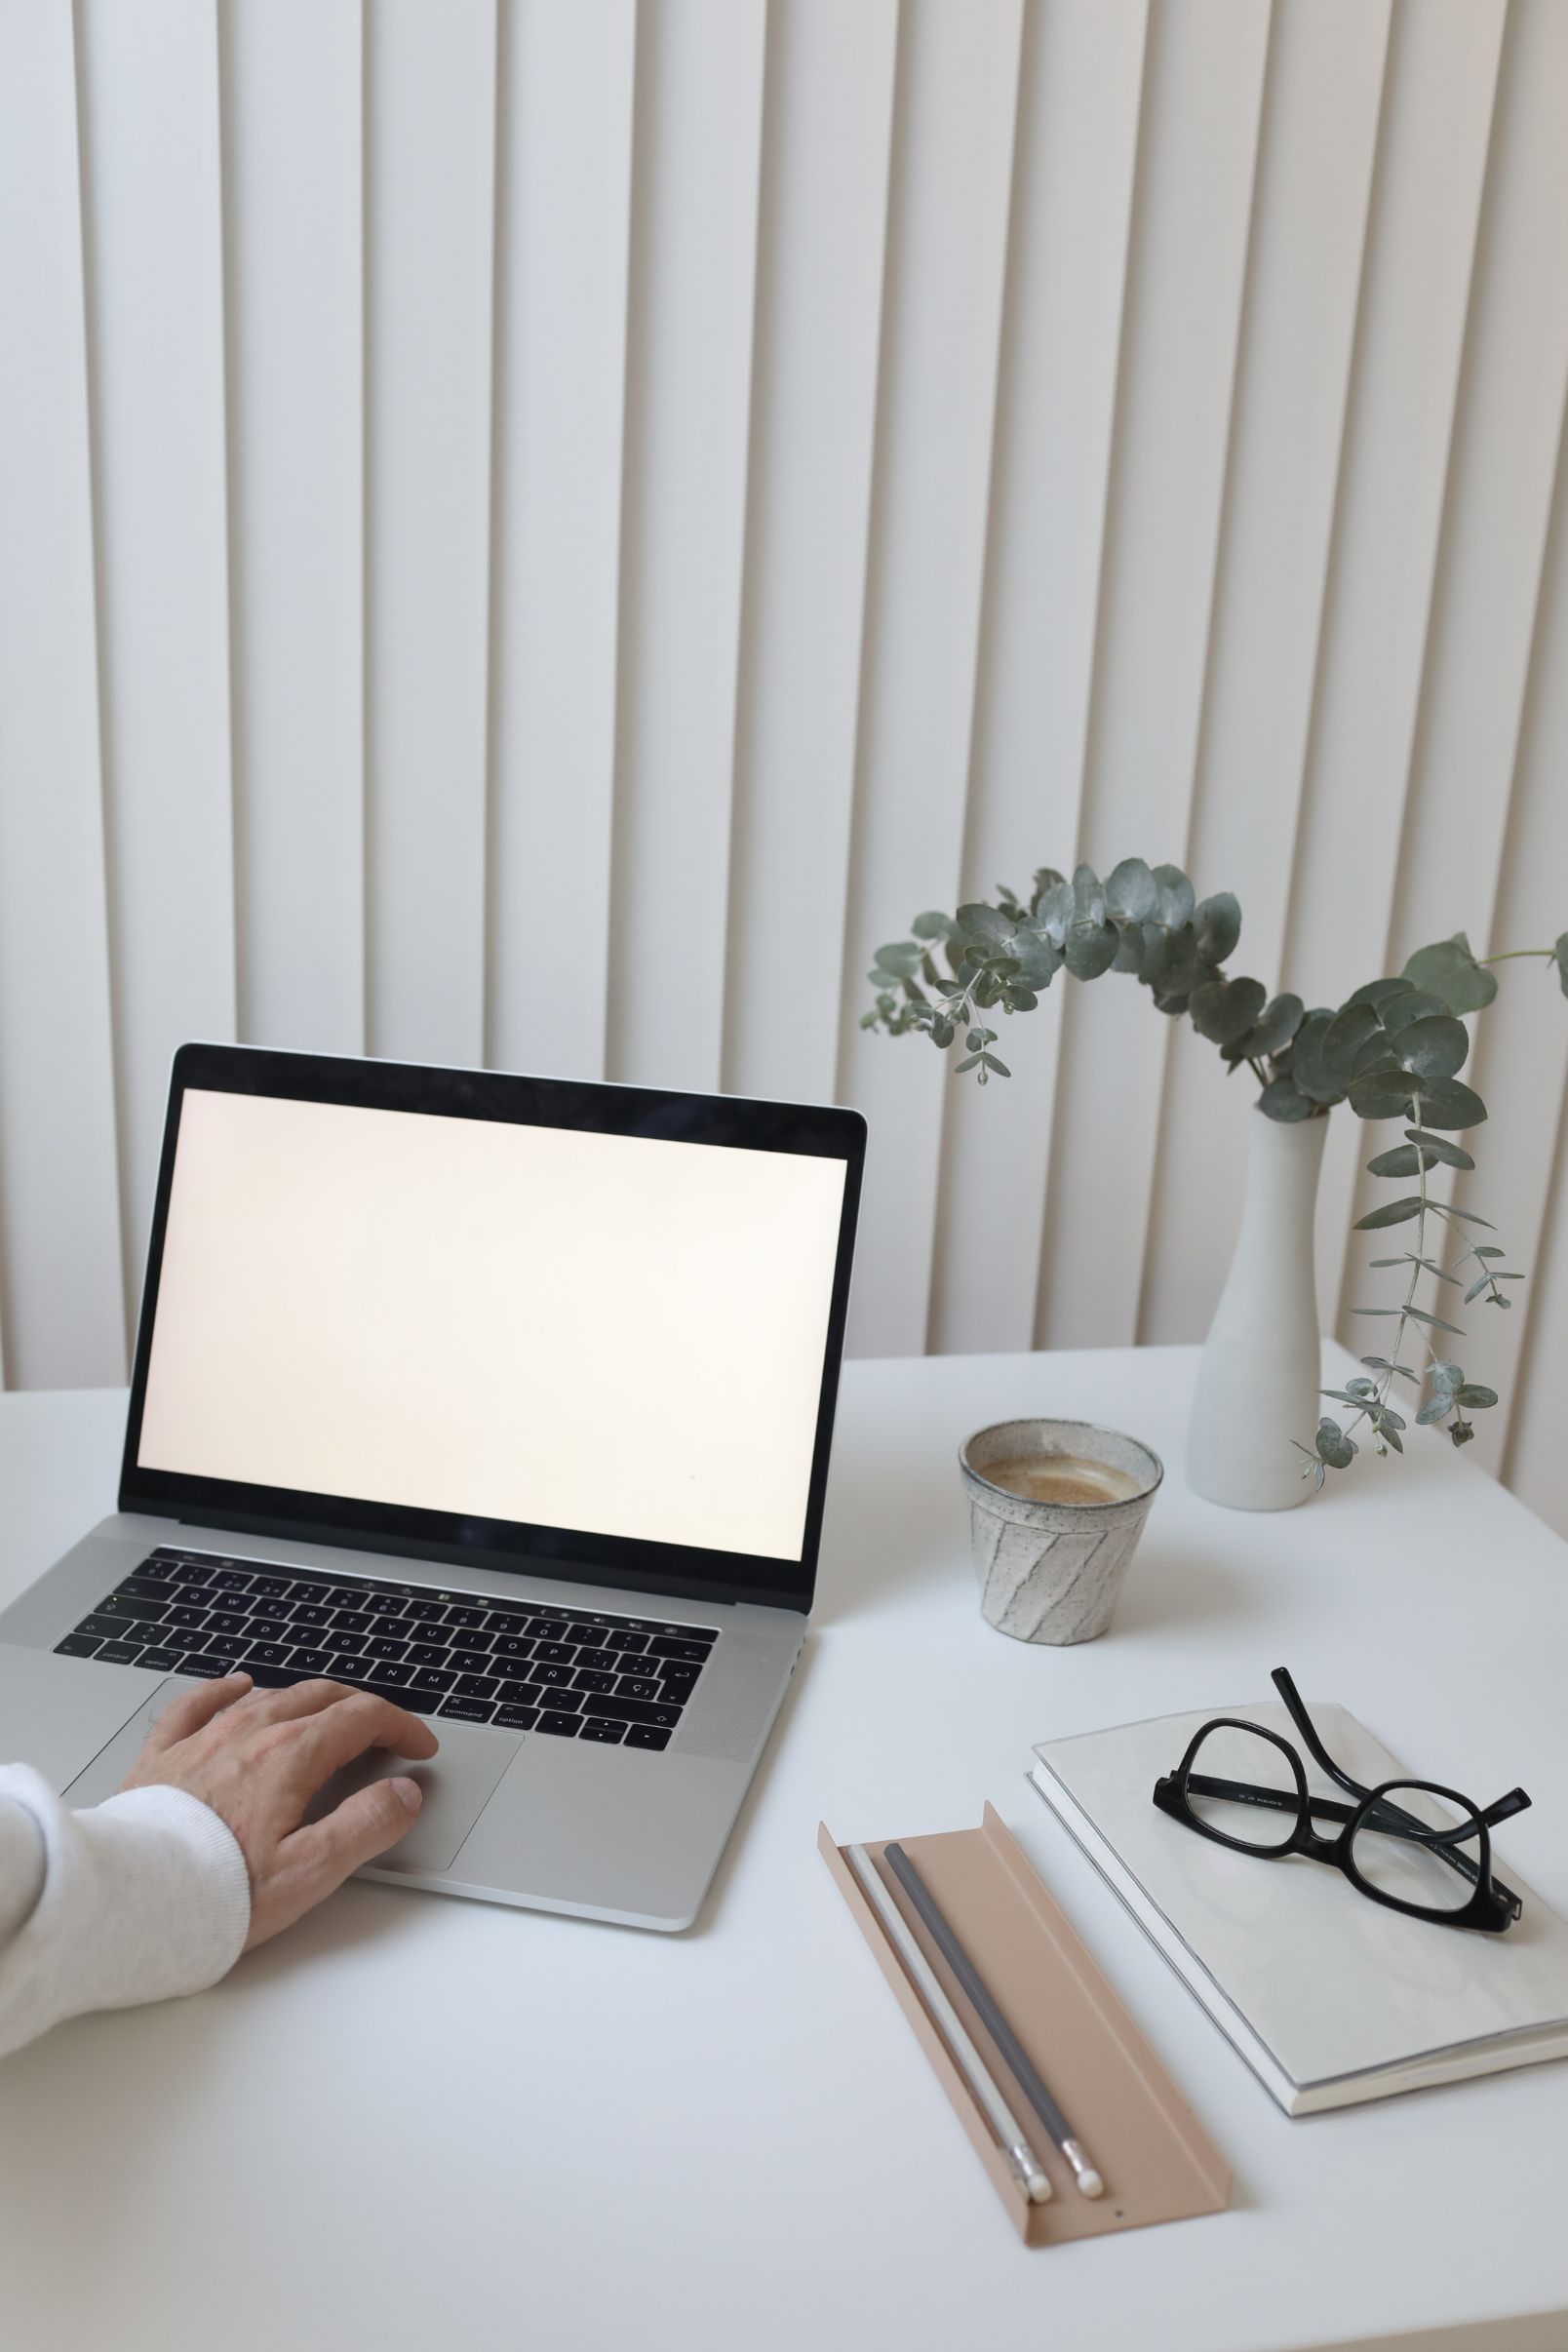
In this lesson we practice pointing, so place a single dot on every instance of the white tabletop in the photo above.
(415, 2122)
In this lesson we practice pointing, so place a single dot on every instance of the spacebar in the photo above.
(273, 1678)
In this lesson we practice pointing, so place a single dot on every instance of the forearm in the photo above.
(136, 1899)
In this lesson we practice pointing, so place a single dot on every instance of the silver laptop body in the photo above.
(519, 1390)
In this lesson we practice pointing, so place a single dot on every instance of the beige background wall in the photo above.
(539, 531)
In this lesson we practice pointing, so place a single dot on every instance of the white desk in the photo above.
(415, 2123)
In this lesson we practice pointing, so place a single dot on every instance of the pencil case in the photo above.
(1157, 2161)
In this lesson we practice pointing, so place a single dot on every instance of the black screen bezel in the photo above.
(626, 1563)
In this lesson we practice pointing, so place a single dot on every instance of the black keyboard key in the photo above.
(205, 1669)
(606, 1729)
(427, 1652)
(477, 1686)
(658, 1713)
(520, 1694)
(76, 1645)
(270, 1677)
(263, 1654)
(425, 1612)
(585, 1637)
(271, 1612)
(562, 1727)
(120, 1653)
(194, 1620)
(692, 1653)
(232, 1580)
(431, 1682)
(465, 1616)
(549, 1673)
(383, 1604)
(272, 1586)
(161, 1661)
(347, 1645)
(516, 1718)
(564, 1701)
(646, 1734)
(589, 1678)
(352, 1621)
(107, 1628)
(148, 1588)
(142, 1636)
(599, 1661)
(310, 1612)
(547, 1629)
(311, 1662)
(386, 1674)
(192, 1645)
(126, 1603)
(340, 1596)
(307, 1589)
(467, 1711)
(639, 1686)
(223, 1621)
(555, 1653)
(677, 1679)
(622, 1640)
(512, 1645)
(380, 1646)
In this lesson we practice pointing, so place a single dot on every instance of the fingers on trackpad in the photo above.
(457, 1785)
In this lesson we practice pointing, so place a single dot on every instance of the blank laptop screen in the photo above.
(528, 1323)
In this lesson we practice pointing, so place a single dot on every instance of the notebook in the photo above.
(1331, 1999)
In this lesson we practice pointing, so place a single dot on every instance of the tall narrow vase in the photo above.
(1258, 1385)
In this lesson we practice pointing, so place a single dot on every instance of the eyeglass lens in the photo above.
(1406, 1868)
(1227, 1755)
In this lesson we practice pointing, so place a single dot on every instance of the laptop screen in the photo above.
(623, 1334)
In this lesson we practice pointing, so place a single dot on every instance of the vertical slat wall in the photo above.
(542, 530)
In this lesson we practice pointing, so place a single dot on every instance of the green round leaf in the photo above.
(932, 927)
(1217, 923)
(1129, 948)
(1449, 971)
(1378, 993)
(1445, 1375)
(1381, 1094)
(1282, 1099)
(1275, 1026)
(1088, 896)
(1436, 1409)
(1447, 1102)
(1308, 1068)
(1343, 1039)
(1412, 1004)
(1175, 895)
(1475, 1397)
(1225, 1010)
(989, 929)
(1131, 894)
(1054, 911)
(1092, 949)
(1333, 1446)
(1434, 1047)
(1405, 1159)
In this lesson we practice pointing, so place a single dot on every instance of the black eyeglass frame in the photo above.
(1492, 1906)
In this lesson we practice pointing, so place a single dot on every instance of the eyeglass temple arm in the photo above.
(1296, 1708)
(1397, 1822)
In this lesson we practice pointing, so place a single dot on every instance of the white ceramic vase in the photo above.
(1258, 1385)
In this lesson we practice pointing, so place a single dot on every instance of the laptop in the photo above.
(509, 1397)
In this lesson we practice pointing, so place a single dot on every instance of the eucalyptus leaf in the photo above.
(1131, 894)
(1393, 1212)
(1451, 1155)
(1433, 1322)
(1343, 1040)
(1217, 924)
(1282, 1099)
(932, 927)
(1054, 911)
(1380, 1094)
(1434, 1047)
(967, 1063)
(1475, 1289)
(1088, 896)
(1311, 1075)
(1436, 1409)
(1039, 957)
(1092, 949)
(1274, 1027)
(1377, 991)
(1411, 1004)
(1559, 957)
(1175, 895)
(1446, 1375)
(1446, 1208)
(1476, 1398)
(990, 1062)
(1389, 1434)
(984, 927)
(1224, 1009)
(1376, 1054)
(1405, 1159)
(1129, 948)
(1333, 1446)
(1448, 1102)
(901, 959)
(1449, 971)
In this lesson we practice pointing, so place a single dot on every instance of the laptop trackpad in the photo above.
(458, 1784)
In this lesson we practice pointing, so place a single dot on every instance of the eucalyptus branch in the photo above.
(1391, 1049)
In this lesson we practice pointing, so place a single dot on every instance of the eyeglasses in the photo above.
(1395, 1844)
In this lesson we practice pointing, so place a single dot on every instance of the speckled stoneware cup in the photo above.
(1051, 1571)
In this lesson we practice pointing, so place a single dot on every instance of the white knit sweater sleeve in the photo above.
(131, 1900)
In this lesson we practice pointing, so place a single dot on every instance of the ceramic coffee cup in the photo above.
(1056, 1508)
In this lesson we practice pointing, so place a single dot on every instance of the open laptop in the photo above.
(509, 1397)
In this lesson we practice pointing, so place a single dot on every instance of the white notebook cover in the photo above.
(1329, 1997)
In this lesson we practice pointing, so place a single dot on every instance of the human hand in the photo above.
(258, 1757)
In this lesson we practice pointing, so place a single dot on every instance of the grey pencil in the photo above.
(995, 2024)
(950, 2025)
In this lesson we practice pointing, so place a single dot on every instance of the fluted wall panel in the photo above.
(541, 532)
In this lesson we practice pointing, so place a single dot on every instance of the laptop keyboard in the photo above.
(571, 1673)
